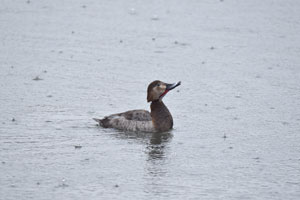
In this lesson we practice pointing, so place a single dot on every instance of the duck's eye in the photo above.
(158, 85)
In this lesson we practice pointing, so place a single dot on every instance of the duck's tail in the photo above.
(103, 122)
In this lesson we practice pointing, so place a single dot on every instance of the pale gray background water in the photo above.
(239, 66)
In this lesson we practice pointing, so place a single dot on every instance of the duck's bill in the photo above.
(172, 86)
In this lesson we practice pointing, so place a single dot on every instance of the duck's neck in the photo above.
(161, 116)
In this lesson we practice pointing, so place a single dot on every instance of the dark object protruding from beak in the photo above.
(172, 86)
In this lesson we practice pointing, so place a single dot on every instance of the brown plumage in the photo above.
(161, 116)
(159, 120)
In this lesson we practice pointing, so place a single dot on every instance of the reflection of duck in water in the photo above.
(157, 145)
(159, 120)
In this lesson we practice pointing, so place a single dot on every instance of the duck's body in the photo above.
(159, 120)
(133, 120)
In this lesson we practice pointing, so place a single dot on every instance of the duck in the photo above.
(158, 120)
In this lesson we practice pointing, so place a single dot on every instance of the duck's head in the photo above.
(158, 89)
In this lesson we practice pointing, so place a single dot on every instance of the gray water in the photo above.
(236, 114)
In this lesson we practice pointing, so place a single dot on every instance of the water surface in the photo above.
(236, 114)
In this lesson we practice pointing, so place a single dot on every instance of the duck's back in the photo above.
(133, 120)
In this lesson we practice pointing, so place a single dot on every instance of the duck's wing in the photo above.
(137, 115)
(133, 120)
